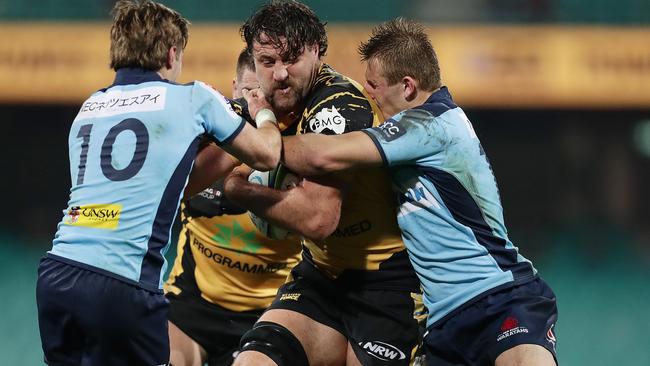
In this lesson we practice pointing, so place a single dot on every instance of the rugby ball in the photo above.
(279, 178)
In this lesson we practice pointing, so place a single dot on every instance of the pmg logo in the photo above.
(382, 350)
(328, 119)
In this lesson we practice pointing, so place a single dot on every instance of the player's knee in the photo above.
(276, 342)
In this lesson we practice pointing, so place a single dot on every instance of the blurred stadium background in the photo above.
(558, 91)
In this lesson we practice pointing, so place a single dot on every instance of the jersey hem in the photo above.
(104, 272)
(471, 301)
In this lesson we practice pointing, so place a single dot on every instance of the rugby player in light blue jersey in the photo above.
(487, 304)
(131, 149)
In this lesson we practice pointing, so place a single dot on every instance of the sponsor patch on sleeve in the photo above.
(391, 130)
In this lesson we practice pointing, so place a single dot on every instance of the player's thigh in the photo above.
(351, 358)
(526, 355)
(61, 336)
(125, 325)
(216, 330)
(513, 318)
(323, 345)
(183, 350)
(382, 327)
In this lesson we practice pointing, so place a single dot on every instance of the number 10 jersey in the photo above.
(132, 146)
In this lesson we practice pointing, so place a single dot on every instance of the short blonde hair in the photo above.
(143, 32)
(403, 48)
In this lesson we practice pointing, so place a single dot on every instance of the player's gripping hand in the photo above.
(211, 202)
(256, 101)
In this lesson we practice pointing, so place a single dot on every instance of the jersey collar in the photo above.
(128, 75)
(441, 95)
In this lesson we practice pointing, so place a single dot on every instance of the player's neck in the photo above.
(421, 98)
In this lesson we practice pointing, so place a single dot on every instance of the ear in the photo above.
(410, 86)
(314, 49)
(234, 87)
(171, 57)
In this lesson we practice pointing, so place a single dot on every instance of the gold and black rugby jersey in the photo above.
(225, 260)
(367, 236)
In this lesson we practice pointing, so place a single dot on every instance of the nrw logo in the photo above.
(328, 119)
(382, 350)
(510, 327)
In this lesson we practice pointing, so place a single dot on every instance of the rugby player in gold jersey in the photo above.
(351, 298)
(226, 273)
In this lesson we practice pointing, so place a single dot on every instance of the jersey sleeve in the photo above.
(215, 113)
(337, 110)
(409, 137)
(240, 106)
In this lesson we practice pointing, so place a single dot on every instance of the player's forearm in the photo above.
(305, 155)
(313, 213)
(258, 148)
(271, 146)
(315, 209)
(314, 154)
(210, 165)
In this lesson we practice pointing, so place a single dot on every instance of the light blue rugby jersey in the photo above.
(132, 146)
(449, 210)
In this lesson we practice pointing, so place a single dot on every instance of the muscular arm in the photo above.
(311, 209)
(315, 154)
(258, 148)
(211, 164)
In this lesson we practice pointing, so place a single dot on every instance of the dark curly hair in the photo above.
(294, 21)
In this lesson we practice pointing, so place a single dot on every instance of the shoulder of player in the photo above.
(204, 92)
(331, 84)
(417, 114)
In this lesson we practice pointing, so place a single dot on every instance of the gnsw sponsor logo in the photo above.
(328, 119)
(382, 350)
(98, 216)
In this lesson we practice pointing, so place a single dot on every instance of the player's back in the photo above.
(131, 149)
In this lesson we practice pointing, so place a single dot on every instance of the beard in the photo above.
(282, 101)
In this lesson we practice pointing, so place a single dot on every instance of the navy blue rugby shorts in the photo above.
(87, 318)
(476, 334)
